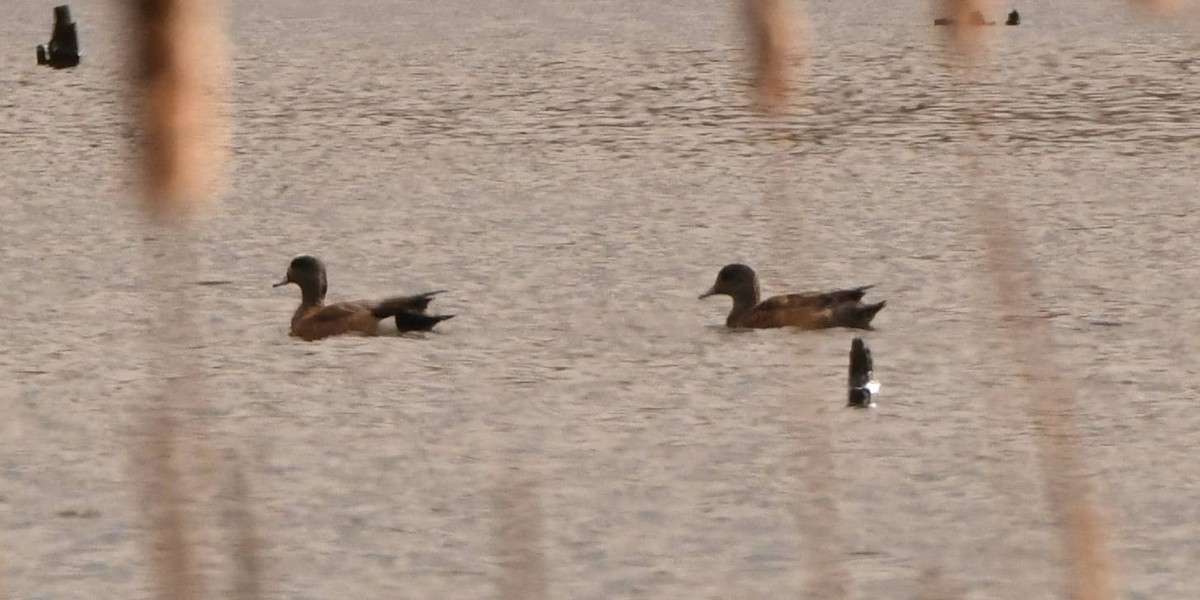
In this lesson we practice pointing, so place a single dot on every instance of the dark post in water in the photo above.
(63, 49)
(861, 383)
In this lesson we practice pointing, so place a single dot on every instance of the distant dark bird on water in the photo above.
(1014, 18)
(816, 310)
(314, 319)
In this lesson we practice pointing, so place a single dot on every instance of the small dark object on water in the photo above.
(861, 383)
(1014, 18)
(63, 50)
(943, 21)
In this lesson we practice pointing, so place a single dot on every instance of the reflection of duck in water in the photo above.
(1014, 18)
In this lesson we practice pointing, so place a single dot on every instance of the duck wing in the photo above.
(811, 300)
(412, 321)
(338, 311)
(843, 296)
(807, 311)
(813, 310)
(333, 319)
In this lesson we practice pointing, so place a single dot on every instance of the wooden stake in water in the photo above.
(861, 381)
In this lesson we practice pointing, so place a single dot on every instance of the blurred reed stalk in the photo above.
(775, 42)
(1160, 7)
(932, 585)
(517, 541)
(178, 63)
(164, 502)
(969, 41)
(815, 508)
(247, 575)
(1084, 535)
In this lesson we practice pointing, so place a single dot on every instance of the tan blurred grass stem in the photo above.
(775, 42)
(1085, 536)
(164, 502)
(1159, 7)
(179, 68)
(934, 585)
(816, 510)
(178, 93)
(969, 40)
(776, 31)
(247, 568)
(517, 540)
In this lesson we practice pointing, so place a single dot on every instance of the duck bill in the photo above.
(712, 291)
(281, 283)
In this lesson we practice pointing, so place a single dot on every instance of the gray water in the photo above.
(576, 173)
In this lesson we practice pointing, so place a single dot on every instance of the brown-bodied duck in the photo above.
(314, 319)
(816, 310)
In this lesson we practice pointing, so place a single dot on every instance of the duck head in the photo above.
(737, 281)
(309, 273)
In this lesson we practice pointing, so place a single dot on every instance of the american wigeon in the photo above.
(841, 308)
(314, 319)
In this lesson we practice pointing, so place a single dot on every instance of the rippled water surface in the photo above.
(576, 173)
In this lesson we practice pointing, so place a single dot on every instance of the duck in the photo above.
(812, 310)
(314, 320)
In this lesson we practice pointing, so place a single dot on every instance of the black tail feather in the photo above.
(411, 304)
(866, 312)
(848, 295)
(412, 321)
(859, 316)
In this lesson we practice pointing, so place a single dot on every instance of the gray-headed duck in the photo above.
(314, 319)
(840, 308)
